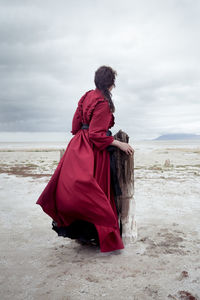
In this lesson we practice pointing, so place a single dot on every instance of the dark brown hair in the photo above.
(104, 79)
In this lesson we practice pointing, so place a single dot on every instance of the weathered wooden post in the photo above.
(126, 201)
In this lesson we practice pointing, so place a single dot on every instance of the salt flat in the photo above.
(163, 263)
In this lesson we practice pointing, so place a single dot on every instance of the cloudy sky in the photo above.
(49, 51)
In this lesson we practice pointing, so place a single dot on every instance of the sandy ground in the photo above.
(163, 263)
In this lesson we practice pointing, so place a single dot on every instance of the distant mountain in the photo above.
(179, 136)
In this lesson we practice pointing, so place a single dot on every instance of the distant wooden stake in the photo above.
(62, 151)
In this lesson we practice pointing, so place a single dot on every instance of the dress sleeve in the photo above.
(76, 122)
(99, 125)
(77, 119)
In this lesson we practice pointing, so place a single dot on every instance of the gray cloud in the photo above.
(50, 50)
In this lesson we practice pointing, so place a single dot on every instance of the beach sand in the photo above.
(164, 262)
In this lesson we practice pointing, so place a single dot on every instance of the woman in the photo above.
(79, 196)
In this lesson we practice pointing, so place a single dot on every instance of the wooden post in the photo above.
(126, 202)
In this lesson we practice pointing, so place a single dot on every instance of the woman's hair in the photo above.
(104, 79)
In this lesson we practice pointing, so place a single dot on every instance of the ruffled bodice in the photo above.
(86, 107)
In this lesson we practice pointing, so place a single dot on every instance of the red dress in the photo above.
(80, 188)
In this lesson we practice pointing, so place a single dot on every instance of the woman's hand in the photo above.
(126, 148)
(123, 146)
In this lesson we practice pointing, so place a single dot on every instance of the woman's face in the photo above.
(111, 87)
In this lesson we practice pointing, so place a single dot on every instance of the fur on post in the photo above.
(126, 202)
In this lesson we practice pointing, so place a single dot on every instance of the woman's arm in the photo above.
(98, 127)
(99, 124)
(123, 146)
(76, 122)
(77, 118)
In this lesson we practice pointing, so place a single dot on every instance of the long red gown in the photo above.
(80, 188)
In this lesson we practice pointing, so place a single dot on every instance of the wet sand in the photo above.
(162, 264)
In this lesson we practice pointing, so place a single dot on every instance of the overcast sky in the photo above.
(49, 51)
